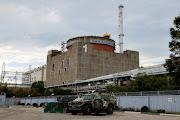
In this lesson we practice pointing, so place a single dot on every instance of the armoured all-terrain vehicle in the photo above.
(93, 103)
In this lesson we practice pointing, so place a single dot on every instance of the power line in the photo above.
(9, 74)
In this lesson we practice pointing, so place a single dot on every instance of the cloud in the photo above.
(150, 61)
(30, 28)
(24, 14)
(11, 55)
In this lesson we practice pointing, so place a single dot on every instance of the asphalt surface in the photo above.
(38, 114)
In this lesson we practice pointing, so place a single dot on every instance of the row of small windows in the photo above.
(65, 69)
(68, 63)
(68, 60)
(32, 79)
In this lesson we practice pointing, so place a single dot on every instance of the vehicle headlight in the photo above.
(69, 103)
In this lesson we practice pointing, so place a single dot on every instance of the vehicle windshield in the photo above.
(90, 96)
(83, 96)
(98, 97)
(105, 97)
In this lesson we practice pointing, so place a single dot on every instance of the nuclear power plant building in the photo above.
(87, 57)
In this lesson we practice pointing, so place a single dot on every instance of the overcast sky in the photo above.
(29, 28)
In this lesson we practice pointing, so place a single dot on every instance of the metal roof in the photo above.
(90, 36)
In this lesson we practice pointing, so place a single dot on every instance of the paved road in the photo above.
(38, 114)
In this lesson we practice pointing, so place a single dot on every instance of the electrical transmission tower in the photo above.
(3, 73)
(12, 76)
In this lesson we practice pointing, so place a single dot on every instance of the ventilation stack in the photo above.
(121, 27)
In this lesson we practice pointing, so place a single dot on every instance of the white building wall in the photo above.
(37, 74)
(44, 75)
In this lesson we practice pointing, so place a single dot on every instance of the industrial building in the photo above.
(89, 57)
(37, 74)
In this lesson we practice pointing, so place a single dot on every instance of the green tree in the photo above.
(145, 83)
(47, 92)
(5, 89)
(20, 92)
(10, 93)
(110, 88)
(33, 92)
(68, 92)
(39, 85)
(58, 91)
(173, 64)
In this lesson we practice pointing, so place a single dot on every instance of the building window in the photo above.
(65, 69)
(52, 73)
(59, 71)
(53, 66)
(62, 63)
(68, 61)
(60, 57)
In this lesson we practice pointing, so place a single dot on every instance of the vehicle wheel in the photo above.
(87, 110)
(110, 109)
(74, 113)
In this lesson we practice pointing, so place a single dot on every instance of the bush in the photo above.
(22, 103)
(161, 111)
(126, 109)
(144, 109)
(138, 110)
(19, 103)
(130, 109)
(41, 105)
(28, 104)
(35, 104)
(16, 102)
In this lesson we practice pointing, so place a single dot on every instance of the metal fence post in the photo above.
(119, 102)
(148, 102)
(114, 81)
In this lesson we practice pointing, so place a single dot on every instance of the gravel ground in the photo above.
(38, 114)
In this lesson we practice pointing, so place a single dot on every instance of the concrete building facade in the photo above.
(37, 74)
(87, 57)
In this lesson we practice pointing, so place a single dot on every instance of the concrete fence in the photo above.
(2, 98)
(38, 100)
(42, 99)
(170, 103)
